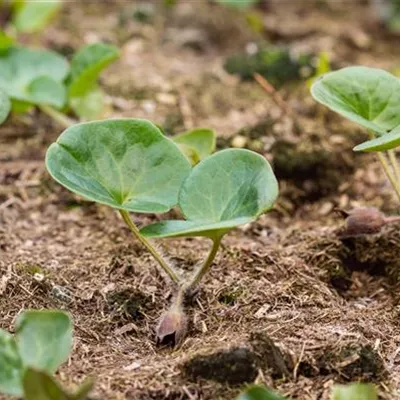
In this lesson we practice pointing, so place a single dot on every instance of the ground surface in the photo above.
(331, 306)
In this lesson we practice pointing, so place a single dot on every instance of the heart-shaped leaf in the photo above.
(11, 368)
(44, 339)
(5, 106)
(33, 76)
(230, 188)
(260, 393)
(385, 142)
(33, 16)
(127, 164)
(354, 391)
(86, 98)
(368, 96)
(197, 143)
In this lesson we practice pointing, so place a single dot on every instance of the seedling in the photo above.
(44, 79)
(197, 144)
(355, 391)
(129, 165)
(42, 342)
(371, 98)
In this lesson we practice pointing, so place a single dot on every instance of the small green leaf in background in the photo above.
(41, 386)
(260, 393)
(322, 68)
(5, 106)
(197, 144)
(355, 391)
(367, 96)
(86, 66)
(11, 368)
(44, 339)
(228, 189)
(127, 164)
(238, 3)
(33, 16)
(5, 41)
(33, 76)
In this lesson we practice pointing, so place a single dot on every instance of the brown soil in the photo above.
(287, 303)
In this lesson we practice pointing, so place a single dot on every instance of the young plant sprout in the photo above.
(354, 391)
(371, 98)
(129, 165)
(42, 342)
(44, 79)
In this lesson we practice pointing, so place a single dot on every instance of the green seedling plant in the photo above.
(354, 391)
(369, 97)
(28, 360)
(131, 166)
(44, 79)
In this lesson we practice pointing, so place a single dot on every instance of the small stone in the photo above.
(239, 142)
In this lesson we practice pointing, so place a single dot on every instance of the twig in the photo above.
(276, 97)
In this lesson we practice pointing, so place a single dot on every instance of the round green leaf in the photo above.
(200, 141)
(44, 339)
(127, 164)
(382, 143)
(354, 391)
(227, 189)
(33, 16)
(259, 393)
(368, 96)
(5, 106)
(33, 76)
(11, 368)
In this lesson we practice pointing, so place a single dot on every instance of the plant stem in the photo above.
(389, 173)
(395, 164)
(57, 116)
(206, 265)
(135, 230)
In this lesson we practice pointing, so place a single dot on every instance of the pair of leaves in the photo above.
(43, 341)
(197, 144)
(38, 77)
(354, 391)
(32, 16)
(367, 96)
(131, 165)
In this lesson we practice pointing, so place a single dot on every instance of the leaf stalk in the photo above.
(135, 231)
(57, 116)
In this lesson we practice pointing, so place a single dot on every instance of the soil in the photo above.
(288, 303)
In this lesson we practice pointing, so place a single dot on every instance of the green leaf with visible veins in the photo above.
(33, 16)
(127, 164)
(355, 391)
(197, 143)
(44, 339)
(33, 76)
(11, 368)
(368, 96)
(230, 188)
(5, 106)
(260, 393)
